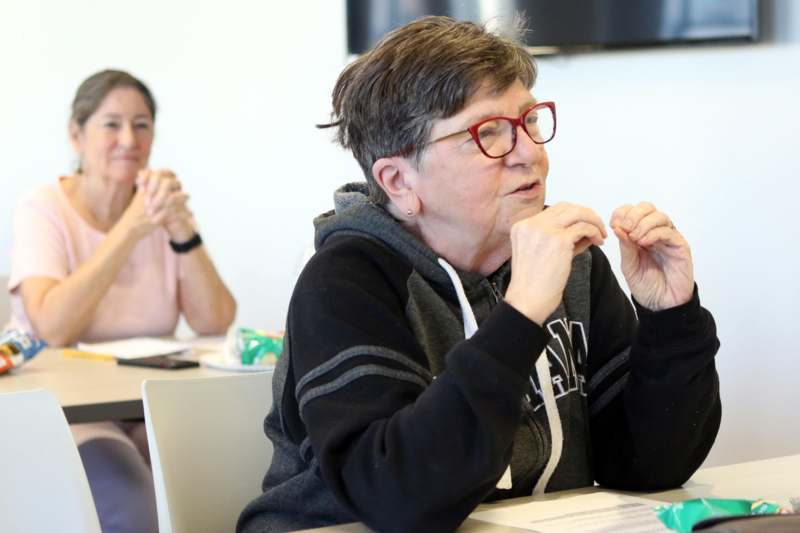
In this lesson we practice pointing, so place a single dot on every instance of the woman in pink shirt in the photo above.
(109, 252)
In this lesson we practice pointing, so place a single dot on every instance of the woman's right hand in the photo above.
(135, 222)
(157, 200)
(542, 249)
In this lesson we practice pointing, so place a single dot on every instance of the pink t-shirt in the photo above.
(51, 240)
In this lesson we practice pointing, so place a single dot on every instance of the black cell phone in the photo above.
(159, 361)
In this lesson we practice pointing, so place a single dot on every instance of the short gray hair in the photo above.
(384, 102)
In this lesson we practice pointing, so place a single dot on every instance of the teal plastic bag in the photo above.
(257, 347)
(682, 516)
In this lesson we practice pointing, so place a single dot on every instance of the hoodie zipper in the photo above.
(495, 292)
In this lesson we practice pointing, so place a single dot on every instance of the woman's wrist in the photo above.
(126, 234)
(180, 231)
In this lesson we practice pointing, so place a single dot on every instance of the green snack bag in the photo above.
(682, 516)
(257, 346)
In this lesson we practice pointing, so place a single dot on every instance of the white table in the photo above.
(776, 479)
(91, 390)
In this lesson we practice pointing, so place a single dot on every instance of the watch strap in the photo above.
(186, 246)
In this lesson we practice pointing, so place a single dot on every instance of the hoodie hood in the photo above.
(355, 214)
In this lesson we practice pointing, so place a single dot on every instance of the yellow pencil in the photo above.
(79, 354)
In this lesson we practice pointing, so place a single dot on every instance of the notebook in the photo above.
(136, 347)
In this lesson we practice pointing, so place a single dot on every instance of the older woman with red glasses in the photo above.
(453, 340)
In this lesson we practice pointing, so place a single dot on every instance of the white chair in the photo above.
(207, 448)
(43, 485)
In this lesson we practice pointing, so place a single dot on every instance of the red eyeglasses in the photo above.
(497, 136)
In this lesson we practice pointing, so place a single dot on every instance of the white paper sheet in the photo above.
(586, 513)
(136, 347)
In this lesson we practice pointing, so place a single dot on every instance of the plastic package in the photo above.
(17, 347)
(682, 516)
(254, 346)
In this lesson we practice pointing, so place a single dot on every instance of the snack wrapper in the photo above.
(682, 516)
(254, 346)
(17, 347)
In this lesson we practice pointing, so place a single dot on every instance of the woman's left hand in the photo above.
(166, 202)
(656, 259)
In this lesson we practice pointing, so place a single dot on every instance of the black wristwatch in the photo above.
(186, 246)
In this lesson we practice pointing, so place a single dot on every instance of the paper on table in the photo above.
(136, 347)
(585, 513)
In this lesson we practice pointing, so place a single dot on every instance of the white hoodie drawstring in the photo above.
(553, 420)
(545, 382)
(470, 325)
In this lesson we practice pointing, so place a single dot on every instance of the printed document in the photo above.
(585, 513)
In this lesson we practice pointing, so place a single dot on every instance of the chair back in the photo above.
(207, 448)
(43, 485)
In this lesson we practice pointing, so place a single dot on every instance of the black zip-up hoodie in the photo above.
(406, 396)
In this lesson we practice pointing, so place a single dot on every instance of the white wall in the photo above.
(240, 90)
(708, 133)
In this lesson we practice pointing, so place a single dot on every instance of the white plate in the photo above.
(219, 361)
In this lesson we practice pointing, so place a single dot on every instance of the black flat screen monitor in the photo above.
(554, 25)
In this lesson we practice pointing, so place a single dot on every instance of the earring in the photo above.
(409, 212)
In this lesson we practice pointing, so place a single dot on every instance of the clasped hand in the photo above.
(159, 201)
(656, 259)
